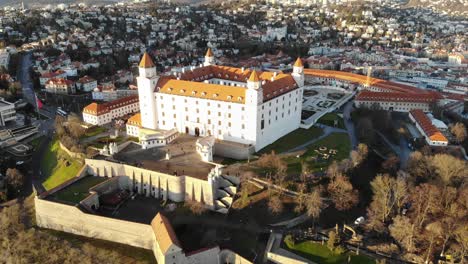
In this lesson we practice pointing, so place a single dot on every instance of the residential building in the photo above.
(424, 124)
(86, 84)
(7, 112)
(60, 86)
(4, 59)
(101, 114)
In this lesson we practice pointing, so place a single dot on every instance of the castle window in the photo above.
(229, 97)
(215, 95)
(239, 98)
(203, 93)
(182, 90)
(194, 92)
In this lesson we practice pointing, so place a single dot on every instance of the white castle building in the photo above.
(233, 105)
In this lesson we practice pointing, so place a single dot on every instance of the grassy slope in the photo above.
(337, 141)
(293, 139)
(78, 190)
(56, 171)
(329, 118)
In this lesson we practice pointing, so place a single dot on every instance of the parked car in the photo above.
(360, 220)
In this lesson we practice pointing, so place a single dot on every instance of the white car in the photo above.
(359, 220)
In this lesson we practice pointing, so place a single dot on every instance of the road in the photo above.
(45, 127)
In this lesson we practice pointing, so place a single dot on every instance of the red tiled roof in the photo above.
(59, 81)
(86, 79)
(164, 233)
(366, 95)
(425, 123)
(99, 109)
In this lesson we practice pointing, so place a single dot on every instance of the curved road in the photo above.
(45, 127)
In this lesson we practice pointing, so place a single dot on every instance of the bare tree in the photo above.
(449, 168)
(389, 196)
(402, 230)
(14, 178)
(315, 204)
(391, 163)
(459, 131)
(342, 193)
(419, 167)
(275, 204)
(74, 126)
(434, 231)
(301, 199)
(461, 236)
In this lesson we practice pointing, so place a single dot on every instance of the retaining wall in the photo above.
(70, 219)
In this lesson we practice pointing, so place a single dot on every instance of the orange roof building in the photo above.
(103, 113)
(432, 134)
(166, 238)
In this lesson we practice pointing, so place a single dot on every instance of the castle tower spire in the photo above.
(209, 58)
(298, 72)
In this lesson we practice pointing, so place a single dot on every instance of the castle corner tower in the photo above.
(209, 58)
(146, 84)
(298, 72)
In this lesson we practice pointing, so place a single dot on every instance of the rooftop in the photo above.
(426, 124)
(184, 159)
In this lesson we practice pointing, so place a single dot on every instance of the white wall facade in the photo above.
(107, 117)
(395, 106)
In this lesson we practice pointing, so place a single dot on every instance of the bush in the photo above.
(289, 240)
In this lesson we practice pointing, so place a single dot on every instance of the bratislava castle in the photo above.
(230, 104)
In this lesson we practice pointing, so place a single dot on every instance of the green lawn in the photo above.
(93, 131)
(293, 139)
(322, 255)
(329, 120)
(337, 141)
(55, 170)
(78, 190)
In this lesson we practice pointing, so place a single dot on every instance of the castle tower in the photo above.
(298, 72)
(146, 84)
(209, 58)
(254, 93)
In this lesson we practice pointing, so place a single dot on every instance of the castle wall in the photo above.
(70, 219)
(200, 191)
(155, 184)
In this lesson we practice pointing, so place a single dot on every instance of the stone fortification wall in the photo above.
(70, 219)
(155, 184)
(234, 151)
(200, 191)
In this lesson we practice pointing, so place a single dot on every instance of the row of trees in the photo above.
(424, 209)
